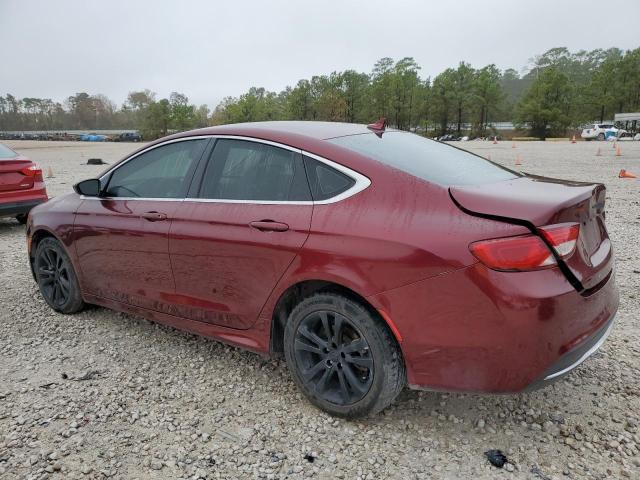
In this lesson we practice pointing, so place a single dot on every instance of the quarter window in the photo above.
(162, 172)
(245, 170)
(326, 182)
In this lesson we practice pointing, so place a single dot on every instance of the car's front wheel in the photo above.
(601, 136)
(56, 277)
(344, 359)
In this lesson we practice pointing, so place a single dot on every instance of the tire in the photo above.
(56, 277)
(601, 136)
(344, 359)
(22, 218)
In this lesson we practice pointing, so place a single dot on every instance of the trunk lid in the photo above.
(536, 201)
(12, 176)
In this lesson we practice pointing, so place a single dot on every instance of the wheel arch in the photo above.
(36, 237)
(300, 290)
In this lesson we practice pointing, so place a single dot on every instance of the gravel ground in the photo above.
(102, 394)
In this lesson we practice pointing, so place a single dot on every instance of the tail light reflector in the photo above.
(527, 252)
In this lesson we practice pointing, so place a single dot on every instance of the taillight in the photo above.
(527, 252)
(563, 237)
(31, 171)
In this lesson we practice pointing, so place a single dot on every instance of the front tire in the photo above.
(56, 277)
(601, 137)
(22, 218)
(344, 359)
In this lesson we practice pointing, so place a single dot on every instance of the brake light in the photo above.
(31, 171)
(527, 252)
(563, 238)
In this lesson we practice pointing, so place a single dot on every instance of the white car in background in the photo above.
(598, 131)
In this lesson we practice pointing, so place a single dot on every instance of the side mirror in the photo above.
(88, 188)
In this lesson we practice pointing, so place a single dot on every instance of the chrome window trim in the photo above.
(361, 182)
(148, 149)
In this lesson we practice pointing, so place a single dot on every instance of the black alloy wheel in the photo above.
(56, 278)
(334, 357)
(343, 356)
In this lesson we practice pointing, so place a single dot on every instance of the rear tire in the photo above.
(601, 136)
(344, 359)
(56, 277)
(22, 218)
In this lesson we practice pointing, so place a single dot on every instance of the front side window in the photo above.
(245, 170)
(162, 172)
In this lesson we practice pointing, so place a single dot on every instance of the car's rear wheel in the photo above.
(56, 277)
(344, 359)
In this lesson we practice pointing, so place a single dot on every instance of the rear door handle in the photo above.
(269, 226)
(154, 216)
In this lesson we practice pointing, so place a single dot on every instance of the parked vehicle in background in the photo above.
(129, 137)
(21, 185)
(93, 137)
(371, 258)
(600, 131)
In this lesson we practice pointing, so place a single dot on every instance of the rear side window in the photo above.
(245, 170)
(326, 182)
(162, 172)
(426, 159)
(6, 152)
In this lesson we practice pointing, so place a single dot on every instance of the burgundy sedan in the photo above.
(371, 258)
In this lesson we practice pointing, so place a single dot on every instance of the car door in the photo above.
(236, 236)
(122, 236)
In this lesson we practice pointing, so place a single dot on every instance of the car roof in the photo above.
(309, 129)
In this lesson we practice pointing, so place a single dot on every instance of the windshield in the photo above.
(427, 159)
(6, 152)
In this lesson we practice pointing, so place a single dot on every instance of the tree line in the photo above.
(141, 111)
(558, 90)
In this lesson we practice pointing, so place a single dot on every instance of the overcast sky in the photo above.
(212, 49)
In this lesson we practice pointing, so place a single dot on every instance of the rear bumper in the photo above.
(478, 330)
(19, 208)
(570, 360)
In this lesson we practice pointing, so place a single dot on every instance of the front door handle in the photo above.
(154, 216)
(269, 226)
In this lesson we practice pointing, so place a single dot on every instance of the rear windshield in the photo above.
(6, 152)
(427, 159)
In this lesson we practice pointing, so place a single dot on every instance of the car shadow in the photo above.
(449, 411)
(9, 224)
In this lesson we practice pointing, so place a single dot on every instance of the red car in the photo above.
(21, 185)
(371, 258)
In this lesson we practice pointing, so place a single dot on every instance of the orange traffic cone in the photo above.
(50, 172)
(513, 145)
(573, 139)
(518, 160)
(598, 153)
(618, 152)
(624, 174)
(495, 140)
